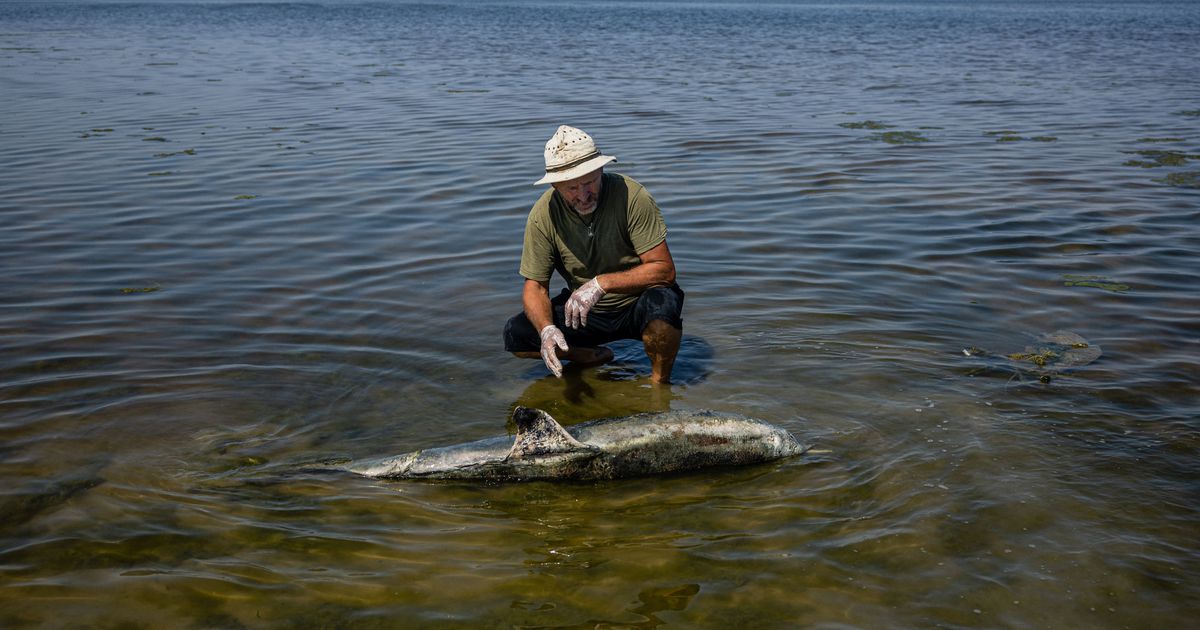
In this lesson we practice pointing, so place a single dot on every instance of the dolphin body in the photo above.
(638, 445)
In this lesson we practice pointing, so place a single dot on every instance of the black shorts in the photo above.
(665, 303)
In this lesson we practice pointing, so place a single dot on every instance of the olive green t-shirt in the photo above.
(625, 224)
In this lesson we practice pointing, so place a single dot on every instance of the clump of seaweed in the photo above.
(1155, 140)
(1008, 135)
(151, 289)
(1039, 357)
(1186, 179)
(866, 124)
(1159, 158)
(899, 137)
(1095, 282)
(1195, 113)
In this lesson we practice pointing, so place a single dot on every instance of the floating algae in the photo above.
(899, 137)
(1195, 113)
(1161, 158)
(1008, 135)
(154, 139)
(1039, 358)
(1154, 140)
(1187, 179)
(246, 197)
(161, 173)
(129, 290)
(866, 124)
(1096, 282)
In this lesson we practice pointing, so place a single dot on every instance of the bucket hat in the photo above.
(571, 153)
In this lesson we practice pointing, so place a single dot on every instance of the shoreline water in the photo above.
(242, 237)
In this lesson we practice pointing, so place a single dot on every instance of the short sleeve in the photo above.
(646, 226)
(537, 252)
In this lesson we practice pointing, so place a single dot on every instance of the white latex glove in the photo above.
(551, 337)
(582, 301)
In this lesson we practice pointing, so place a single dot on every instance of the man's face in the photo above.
(582, 193)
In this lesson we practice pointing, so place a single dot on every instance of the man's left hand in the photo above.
(582, 301)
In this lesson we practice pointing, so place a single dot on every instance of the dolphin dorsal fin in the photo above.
(539, 434)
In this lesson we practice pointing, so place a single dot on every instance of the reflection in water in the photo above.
(650, 601)
(620, 388)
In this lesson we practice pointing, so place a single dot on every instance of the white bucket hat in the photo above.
(571, 153)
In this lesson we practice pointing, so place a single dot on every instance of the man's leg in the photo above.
(662, 344)
(657, 319)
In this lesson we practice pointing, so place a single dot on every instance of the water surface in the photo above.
(240, 238)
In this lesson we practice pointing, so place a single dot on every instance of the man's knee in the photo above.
(519, 335)
(662, 304)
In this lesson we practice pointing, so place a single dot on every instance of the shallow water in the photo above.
(241, 238)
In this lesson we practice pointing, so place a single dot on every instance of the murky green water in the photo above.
(241, 238)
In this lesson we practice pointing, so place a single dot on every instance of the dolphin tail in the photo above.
(540, 434)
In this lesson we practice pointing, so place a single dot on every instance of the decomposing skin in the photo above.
(638, 445)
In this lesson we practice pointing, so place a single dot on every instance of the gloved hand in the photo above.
(582, 301)
(551, 337)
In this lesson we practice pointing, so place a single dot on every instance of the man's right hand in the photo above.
(551, 337)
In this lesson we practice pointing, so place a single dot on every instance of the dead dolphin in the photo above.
(642, 444)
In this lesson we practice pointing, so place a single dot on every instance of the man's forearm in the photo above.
(639, 278)
(536, 300)
(657, 270)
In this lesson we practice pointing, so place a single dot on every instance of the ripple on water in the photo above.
(239, 239)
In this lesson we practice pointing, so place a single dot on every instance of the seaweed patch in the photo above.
(1095, 282)
(1008, 135)
(1186, 179)
(899, 137)
(1159, 157)
(150, 289)
(866, 124)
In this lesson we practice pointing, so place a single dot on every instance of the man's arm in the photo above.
(535, 297)
(657, 270)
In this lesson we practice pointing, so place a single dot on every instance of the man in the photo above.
(603, 233)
